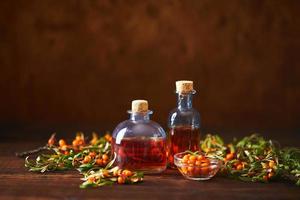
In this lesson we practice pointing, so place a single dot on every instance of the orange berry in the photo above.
(265, 177)
(105, 162)
(104, 157)
(190, 169)
(80, 142)
(184, 170)
(61, 142)
(204, 164)
(78, 137)
(108, 137)
(236, 163)
(51, 142)
(229, 156)
(185, 160)
(75, 143)
(121, 180)
(197, 171)
(99, 162)
(192, 158)
(127, 173)
(92, 154)
(198, 163)
(87, 159)
(64, 147)
(105, 173)
(239, 167)
(91, 179)
(204, 170)
(271, 163)
(191, 162)
(270, 175)
(66, 153)
(200, 157)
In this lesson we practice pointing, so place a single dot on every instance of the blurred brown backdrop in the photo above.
(80, 63)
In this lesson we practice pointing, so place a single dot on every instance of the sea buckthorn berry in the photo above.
(190, 169)
(105, 157)
(270, 175)
(108, 137)
(271, 163)
(127, 173)
(121, 180)
(184, 170)
(105, 173)
(187, 156)
(236, 163)
(204, 170)
(239, 167)
(51, 141)
(197, 170)
(78, 137)
(64, 147)
(198, 163)
(75, 143)
(105, 162)
(66, 153)
(265, 177)
(192, 158)
(185, 159)
(204, 164)
(87, 159)
(80, 142)
(229, 156)
(191, 162)
(91, 179)
(92, 154)
(99, 162)
(61, 142)
(200, 157)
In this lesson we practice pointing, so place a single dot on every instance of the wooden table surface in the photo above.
(17, 183)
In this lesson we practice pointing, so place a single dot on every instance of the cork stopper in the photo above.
(184, 86)
(139, 106)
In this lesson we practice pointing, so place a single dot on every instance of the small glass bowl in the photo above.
(201, 168)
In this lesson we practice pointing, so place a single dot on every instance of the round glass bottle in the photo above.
(139, 143)
(184, 122)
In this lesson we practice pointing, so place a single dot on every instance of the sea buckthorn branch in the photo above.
(92, 159)
(254, 159)
(109, 175)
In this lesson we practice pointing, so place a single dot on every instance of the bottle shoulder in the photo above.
(190, 117)
(132, 128)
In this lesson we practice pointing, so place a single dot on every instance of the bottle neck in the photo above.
(185, 101)
(136, 116)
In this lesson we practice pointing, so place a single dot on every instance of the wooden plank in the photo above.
(18, 183)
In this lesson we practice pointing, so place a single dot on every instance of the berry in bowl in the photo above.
(195, 166)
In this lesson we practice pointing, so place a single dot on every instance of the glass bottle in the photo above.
(139, 143)
(184, 122)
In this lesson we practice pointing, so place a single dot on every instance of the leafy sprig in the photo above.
(254, 158)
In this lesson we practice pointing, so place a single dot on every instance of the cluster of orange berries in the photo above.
(238, 165)
(100, 159)
(270, 168)
(122, 176)
(195, 165)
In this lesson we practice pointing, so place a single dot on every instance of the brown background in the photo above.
(80, 63)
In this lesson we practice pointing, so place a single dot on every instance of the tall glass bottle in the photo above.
(184, 122)
(139, 143)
